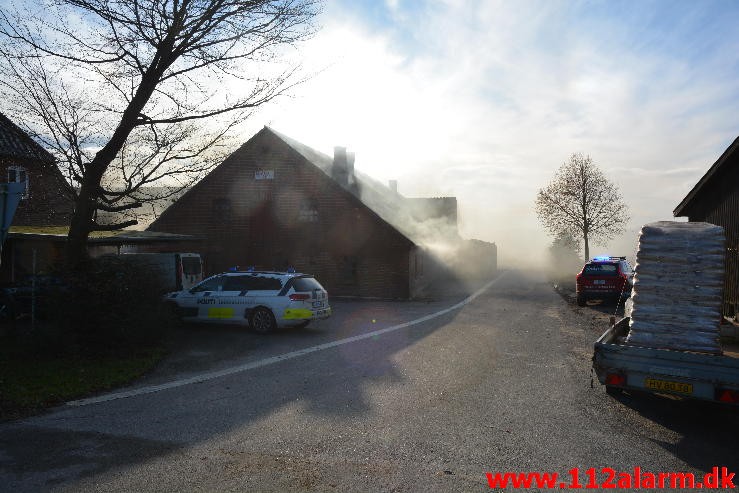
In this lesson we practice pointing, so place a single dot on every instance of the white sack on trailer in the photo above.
(678, 287)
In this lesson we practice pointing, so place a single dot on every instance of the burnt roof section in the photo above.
(390, 206)
(681, 209)
(15, 143)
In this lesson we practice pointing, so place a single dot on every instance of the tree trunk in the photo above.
(84, 209)
(79, 229)
(587, 247)
(89, 194)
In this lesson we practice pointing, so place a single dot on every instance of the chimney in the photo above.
(393, 185)
(350, 163)
(343, 166)
(340, 157)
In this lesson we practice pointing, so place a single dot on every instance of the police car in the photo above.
(604, 277)
(263, 300)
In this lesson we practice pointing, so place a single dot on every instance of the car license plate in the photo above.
(678, 387)
(317, 304)
(599, 281)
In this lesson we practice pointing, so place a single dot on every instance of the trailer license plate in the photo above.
(678, 387)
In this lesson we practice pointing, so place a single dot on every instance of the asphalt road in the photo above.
(500, 384)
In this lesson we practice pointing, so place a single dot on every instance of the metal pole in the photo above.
(33, 292)
(4, 226)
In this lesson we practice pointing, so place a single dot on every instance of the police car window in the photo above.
(238, 283)
(208, 285)
(306, 284)
(600, 269)
(267, 284)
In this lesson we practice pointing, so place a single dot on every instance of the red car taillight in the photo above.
(615, 379)
(299, 297)
(727, 395)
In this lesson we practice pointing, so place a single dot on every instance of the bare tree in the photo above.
(581, 202)
(564, 253)
(115, 88)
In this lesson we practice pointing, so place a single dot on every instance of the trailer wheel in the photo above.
(7, 307)
(613, 391)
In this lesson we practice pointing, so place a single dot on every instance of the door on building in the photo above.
(263, 235)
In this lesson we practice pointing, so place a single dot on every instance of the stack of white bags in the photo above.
(678, 287)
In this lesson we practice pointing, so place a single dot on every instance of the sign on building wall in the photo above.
(264, 174)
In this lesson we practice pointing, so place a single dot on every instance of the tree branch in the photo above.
(112, 227)
(119, 208)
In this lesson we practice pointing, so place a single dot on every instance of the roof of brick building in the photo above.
(15, 143)
(728, 158)
(417, 219)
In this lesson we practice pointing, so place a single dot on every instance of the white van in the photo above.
(178, 271)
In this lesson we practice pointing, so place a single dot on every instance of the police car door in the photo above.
(204, 296)
(232, 301)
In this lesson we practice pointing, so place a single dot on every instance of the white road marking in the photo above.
(204, 377)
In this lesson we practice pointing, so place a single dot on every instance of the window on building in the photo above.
(348, 272)
(308, 212)
(222, 210)
(18, 174)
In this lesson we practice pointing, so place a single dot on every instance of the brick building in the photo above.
(275, 203)
(48, 198)
(47, 201)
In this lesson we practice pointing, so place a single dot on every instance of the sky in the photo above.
(484, 100)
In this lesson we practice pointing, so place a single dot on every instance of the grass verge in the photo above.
(29, 385)
(565, 286)
(62, 230)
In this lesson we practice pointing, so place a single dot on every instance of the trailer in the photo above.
(713, 377)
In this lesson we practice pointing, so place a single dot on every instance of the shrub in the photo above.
(108, 305)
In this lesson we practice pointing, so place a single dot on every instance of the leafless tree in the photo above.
(564, 253)
(581, 202)
(116, 88)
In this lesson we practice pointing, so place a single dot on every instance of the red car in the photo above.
(604, 278)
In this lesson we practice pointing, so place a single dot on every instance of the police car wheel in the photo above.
(262, 320)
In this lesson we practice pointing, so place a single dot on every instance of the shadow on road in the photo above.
(331, 383)
(55, 456)
(709, 432)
